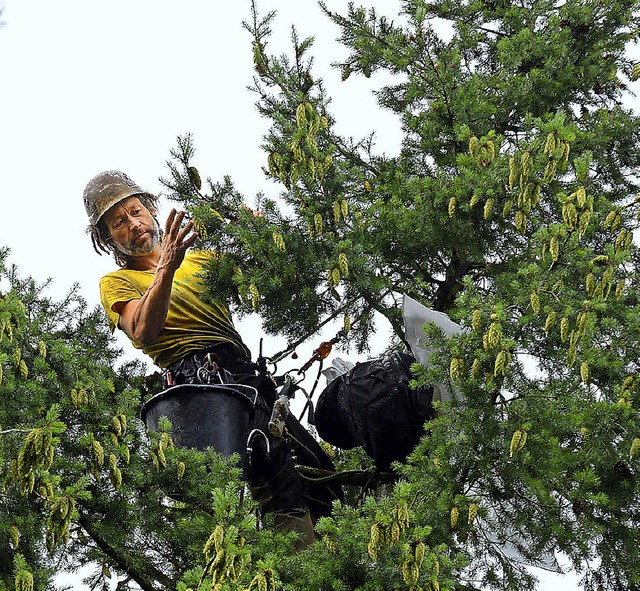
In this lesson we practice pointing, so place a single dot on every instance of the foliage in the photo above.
(82, 483)
(512, 206)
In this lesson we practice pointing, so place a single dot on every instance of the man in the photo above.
(155, 298)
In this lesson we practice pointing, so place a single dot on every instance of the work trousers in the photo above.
(270, 465)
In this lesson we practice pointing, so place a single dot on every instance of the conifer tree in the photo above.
(511, 206)
(81, 481)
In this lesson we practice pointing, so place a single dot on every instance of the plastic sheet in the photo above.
(415, 317)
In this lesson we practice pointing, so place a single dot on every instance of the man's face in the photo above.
(133, 230)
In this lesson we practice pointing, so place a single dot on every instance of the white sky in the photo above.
(89, 85)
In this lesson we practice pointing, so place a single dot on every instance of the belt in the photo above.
(186, 370)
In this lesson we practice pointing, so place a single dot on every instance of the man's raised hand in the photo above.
(176, 240)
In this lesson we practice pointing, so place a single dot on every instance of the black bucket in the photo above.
(205, 415)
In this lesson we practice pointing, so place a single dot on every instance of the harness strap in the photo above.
(206, 366)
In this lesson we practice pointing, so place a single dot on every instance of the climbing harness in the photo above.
(209, 370)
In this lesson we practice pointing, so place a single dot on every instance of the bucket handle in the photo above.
(252, 435)
(240, 387)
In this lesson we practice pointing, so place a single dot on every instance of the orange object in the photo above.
(322, 352)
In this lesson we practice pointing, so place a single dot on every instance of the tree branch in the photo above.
(126, 562)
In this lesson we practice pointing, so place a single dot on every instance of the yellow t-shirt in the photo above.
(191, 325)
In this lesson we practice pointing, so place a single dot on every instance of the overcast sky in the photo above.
(90, 85)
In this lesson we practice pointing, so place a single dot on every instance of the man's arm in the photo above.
(143, 319)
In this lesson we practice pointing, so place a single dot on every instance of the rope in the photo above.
(352, 477)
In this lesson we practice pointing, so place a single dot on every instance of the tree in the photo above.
(511, 206)
(82, 483)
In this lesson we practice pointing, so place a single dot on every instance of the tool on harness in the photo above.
(208, 371)
(212, 366)
(322, 352)
(281, 409)
(264, 448)
(319, 354)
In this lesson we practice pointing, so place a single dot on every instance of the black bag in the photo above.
(372, 405)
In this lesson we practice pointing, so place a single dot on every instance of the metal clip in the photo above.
(208, 370)
(258, 439)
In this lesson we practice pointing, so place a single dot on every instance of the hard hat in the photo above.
(105, 190)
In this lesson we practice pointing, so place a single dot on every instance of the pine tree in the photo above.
(511, 206)
(82, 481)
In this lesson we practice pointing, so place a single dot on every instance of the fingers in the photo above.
(173, 231)
(190, 240)
(255, 212)
(174, 221)
(187, 228)
(170, 218)
(178, 238)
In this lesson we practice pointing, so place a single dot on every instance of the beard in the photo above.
(133, 248)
